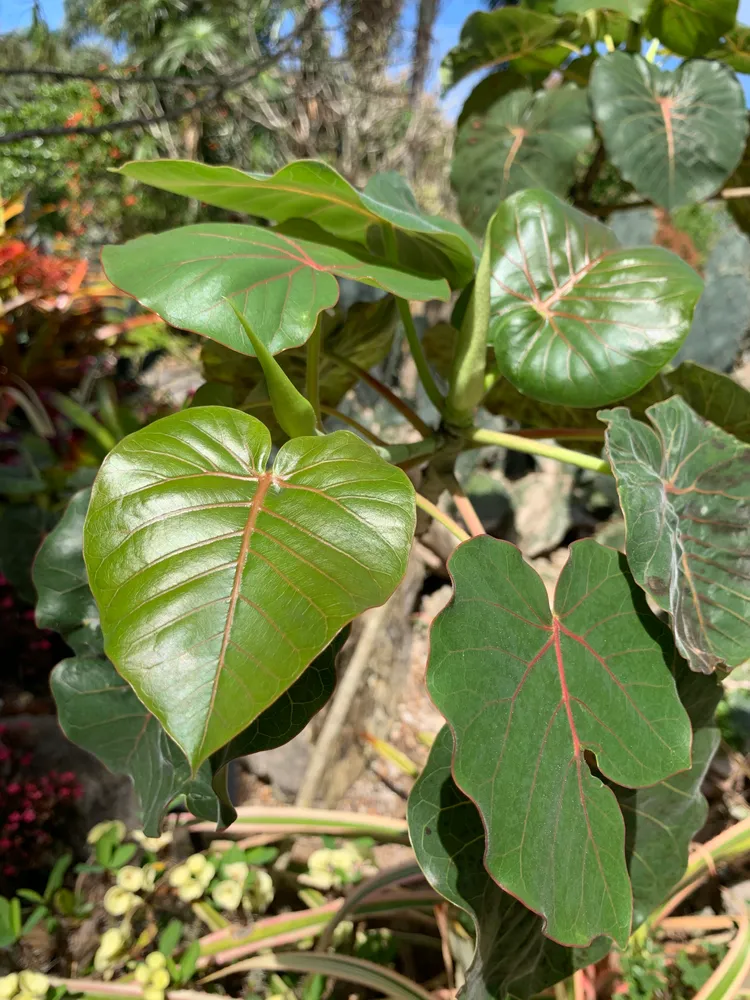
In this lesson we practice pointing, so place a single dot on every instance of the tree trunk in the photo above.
(428, 10)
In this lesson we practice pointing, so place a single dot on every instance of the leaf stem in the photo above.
(465, 508)
(403, 408)
(480, 436)
(633, 42)
(312, 374)
(578, 433)
(429, 508)
(415, 346)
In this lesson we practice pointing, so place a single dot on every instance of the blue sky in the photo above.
(17, 13)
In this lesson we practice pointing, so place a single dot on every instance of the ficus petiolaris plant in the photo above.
(206, 582)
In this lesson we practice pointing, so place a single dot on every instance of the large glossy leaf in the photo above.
(527, 691)
(218, 581)
(691, 27)
(734, 49)
(632, 9)
(363, 335)
(661, 821)
(684, 487)
(675, 136)
(309, 189)
(281, 284)
(524, 140)
(64, 601)
(512, 958)
(489, 90)
(504, 35)
(576, 319)
(100, 712)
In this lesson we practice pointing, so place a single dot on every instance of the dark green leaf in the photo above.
(684, 487)
(99, 711)
(280, 284)
(526, 692)
(691, 27)
(22, 528)
(633, 10)
(661, 821)
(524, 140)
(675, 136)
(575, 318)
(64, 600)
(189, 962)
(309, 189)
(489, 90)
(505, 34)
(512, 957)
(219, 582)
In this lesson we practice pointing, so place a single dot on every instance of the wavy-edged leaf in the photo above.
(684, 487)
(501, 36)
(218, 580)
(734, 49)
(512, 958)
(691, 27)
(64, 601)
(100, 712)
(527, 692)
(309, 189)
(525, 139)
(575, 318)
(675, 136)
(280, 284)
(661, 820)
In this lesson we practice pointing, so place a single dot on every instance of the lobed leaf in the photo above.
(309, 189)
(575, 318)
(219, 581)
(527, 691)
(279, 283)
(523, 140)
(676, 136)
(684, 487)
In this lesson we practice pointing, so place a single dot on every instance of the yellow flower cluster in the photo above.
(112, 947)
(153, 976)
(332, 868)
(192, 878)
(26, 985)
(123, 897)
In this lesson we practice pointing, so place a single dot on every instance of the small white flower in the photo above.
(260, 891)
(196, 863)
(160, 979)
(329, 869)
(190, 891)
(150, 874)
(131, 878)
(8, 986)
(142, 974)
(110, 948)
(237, 871)
(227, 894)
(97, 832)
(119, 901)
(179, 876)
(156, 960)
(153, 844)
(34, 983)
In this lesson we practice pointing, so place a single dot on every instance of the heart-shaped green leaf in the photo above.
(219, 581)
(505, 34)
(280, 284)
(489, 90)
(684, 487)
(512, 958)
(575, 318)
(690, 27)
(309, 189)
(734, 49)
(524, 140)
(100, 712)
(64, 601)
(527, 692)
(633, 10)
(675, 136)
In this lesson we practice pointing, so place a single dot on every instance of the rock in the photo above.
(282, 768)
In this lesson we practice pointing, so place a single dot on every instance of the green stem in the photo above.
(312, 375)
(429, 508)
(417, 352)
(480, 436)
(633, 43)
(415, 345)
